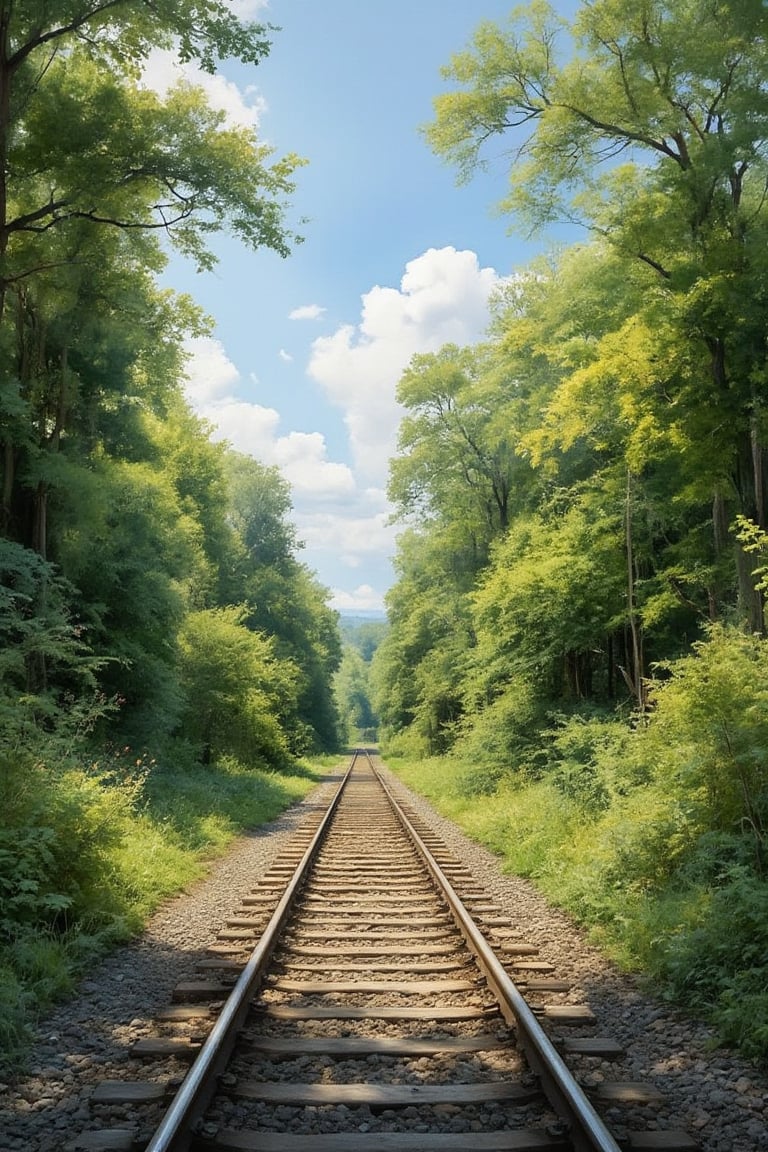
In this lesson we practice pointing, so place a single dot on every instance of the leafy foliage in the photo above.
(651, 835)
(234, 687)
(584, 493)
(353, 695)
(152, 606)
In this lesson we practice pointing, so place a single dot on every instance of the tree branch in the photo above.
(662, 271)
(626, 134)
(20, 55)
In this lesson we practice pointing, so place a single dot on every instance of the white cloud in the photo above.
(249, 428)
(443, 298)
(210, 373)
(306, 312)
(342, 513)
(285, 356)
(302, 460)
(362, 599)
(352, 536)
(248, 9)
(241, 108)
(254, 430)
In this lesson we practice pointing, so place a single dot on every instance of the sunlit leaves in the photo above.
(95, 146)
(235, 687)
(456, 460)
(125, 31)
(674, 86)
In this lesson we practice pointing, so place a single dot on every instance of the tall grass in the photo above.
(87, 852)
(653, 835)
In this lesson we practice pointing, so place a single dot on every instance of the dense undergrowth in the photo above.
(89, 848)
(652, 831)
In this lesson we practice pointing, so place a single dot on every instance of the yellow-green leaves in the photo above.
(668, 87)
(97, 147)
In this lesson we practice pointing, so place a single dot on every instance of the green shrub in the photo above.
(708, 734)
(526, 825)
(237, 690)
(503, 739)
(16, 1001)
(86, 855)
(55, 848)
(405, 744)
(27, 870)
(653, 834)
(718, 966)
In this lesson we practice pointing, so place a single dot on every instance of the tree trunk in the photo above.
(5, 127)
(720, 523)
(611, 668)
(636, 679)
(750, 487)
(758, 474)
(751, 603)
(40, 523)
(9, 461)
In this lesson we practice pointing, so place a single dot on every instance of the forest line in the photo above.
(578, 627)
(166, 658)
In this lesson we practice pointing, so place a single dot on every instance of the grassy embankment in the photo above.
(87, 853)
(652, 835)
(701, 945)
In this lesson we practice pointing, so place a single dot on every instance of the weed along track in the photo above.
(369, 996)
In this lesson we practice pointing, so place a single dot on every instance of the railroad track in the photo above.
(369, 997)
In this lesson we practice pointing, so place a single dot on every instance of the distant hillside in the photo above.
(352, 617)
(363, 631)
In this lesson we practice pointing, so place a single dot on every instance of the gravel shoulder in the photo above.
(709, 1091)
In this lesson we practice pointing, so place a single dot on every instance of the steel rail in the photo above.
(586, 1130)
(174, 1133)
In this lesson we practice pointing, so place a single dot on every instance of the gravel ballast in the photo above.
(716, 1096)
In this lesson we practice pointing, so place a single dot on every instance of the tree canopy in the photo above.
(101, 456)
(574, 480)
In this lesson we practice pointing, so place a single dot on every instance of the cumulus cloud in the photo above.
(353, 536)
(302, 459)
(361, 599)
(306, 312)
(443, 298)
(209, 371)
(285, 356)
(212, 383)
(249, 428)
(248, 9)
(342, 512)
(241, 108)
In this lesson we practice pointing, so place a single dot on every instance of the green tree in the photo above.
(237, 692)
(353, 694)
(38, 631)
(416, 671)
(548, 606)
(284, 600)
(454, 460)
(612, 422)
(197, 467)
(364, 637)
(678, 89)
(113, 153)
(93, 167)
(132, 602)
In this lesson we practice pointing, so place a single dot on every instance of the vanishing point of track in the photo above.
(385, 1007)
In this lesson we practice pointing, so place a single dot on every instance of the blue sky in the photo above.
(302, 367)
